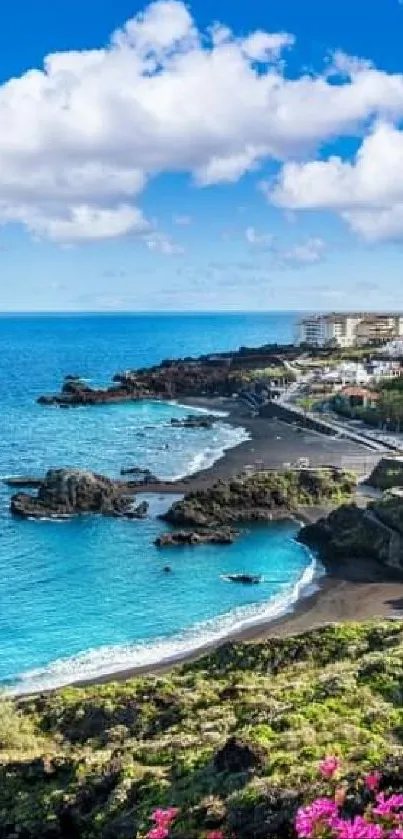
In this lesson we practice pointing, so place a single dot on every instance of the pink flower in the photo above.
(216, 834)
(158, 833)
(329, 766)
(164, 817)
(320, 812)
(386, 806)
(371, 781)
(358, 828)
(397, 833)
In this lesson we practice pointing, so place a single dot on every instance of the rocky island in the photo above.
(179, 538)
(67, 492)
(263, 496)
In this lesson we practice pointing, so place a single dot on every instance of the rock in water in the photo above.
(139, 512)
(192, 421)
(260, 497)
(66, 492)
(220, 536)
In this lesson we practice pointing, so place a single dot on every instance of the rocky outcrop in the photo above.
(76, 392)
(223, 374)
(220, 536)
(260, 497)
(139, 512)
(193, 421)
(374, 533)
(66, 492)
(239, 756)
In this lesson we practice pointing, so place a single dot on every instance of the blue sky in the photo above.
(208, 156)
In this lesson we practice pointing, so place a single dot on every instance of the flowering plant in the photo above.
(382, 817)
(163, 819)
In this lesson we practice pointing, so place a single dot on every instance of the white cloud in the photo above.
(259, 240)
(306, 253)
(93, 127)
(266, 46)
(160, 243)
(367, 192)
(83, 222)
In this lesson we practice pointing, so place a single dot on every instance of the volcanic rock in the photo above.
(388, 473)
(374, 533)
(139, 512)
(221, 536)
(239, 756)
(192, 421)
(262, 496)
(66, 492)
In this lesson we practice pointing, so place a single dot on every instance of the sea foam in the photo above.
(109, 660)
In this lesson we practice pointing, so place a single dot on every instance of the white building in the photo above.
(327, 330)
(349, 329)
(348, 373)
(384, 369)
(393, 349)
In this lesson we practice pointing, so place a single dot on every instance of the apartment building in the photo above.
(378, 329)
(328, 330)
(349, 329)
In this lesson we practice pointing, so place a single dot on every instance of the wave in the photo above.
(198, 409)
(206, 458)
(110, 660)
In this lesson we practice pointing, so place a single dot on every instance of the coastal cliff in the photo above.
(373, 533)
(233, 740)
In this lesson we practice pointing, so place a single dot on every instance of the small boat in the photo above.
(248, 579)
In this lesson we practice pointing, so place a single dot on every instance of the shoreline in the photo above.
(358, 594)
(335, 601)
(272, 444)
(361, 594)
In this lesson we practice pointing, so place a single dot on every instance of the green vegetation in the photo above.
(262, 495)
(264, 374)
(388, 410)
(233, 739)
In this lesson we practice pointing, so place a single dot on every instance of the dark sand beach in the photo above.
(273, 444)
(352, 591)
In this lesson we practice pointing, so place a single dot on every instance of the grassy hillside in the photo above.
(234, 739)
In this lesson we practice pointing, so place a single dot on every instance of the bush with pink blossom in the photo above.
(327, 818)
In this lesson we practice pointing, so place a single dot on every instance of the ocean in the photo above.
(88, 596)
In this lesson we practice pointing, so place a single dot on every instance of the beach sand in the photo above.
(356, 590)
(273, 444)
(336, 601)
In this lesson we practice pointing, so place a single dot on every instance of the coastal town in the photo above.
(342, 377)
(201, 444)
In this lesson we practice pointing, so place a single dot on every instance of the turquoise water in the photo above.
(88, 596)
